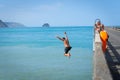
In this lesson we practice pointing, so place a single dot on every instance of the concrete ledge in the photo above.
(101, 70)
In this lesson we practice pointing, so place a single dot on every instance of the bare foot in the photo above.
(65, 54)
(68, 54)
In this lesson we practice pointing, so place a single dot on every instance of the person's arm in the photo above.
(59, 38)
(107, 34)
(66, 35)
(95, 25)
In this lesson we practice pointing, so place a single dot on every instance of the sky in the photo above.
(60, 12)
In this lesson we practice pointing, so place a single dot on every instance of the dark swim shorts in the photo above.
(67, 49)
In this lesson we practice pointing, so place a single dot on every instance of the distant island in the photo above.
(10, 24)
(45, 25)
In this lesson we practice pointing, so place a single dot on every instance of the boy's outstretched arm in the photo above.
(59, 38)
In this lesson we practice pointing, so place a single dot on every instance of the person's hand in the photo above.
(57, 36)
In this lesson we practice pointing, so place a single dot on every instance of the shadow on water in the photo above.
(113, 60)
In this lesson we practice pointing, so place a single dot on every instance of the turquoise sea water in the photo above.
(36, 54)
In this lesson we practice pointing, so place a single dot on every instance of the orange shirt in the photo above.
(103, 35)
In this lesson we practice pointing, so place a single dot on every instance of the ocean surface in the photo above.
(36, 54)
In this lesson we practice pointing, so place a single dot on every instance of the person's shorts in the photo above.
(67, 49)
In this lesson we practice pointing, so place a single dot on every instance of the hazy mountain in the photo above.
(2, 24)
(10, 24)
(14, 24)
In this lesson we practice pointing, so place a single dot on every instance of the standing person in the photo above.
(66, 44)
(98, 25)
(104, 38)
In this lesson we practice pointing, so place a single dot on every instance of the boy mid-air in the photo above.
(66, 44)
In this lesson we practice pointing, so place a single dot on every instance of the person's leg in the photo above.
(104, 46)
(67, 49)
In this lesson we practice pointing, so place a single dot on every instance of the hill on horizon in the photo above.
(10, 24)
